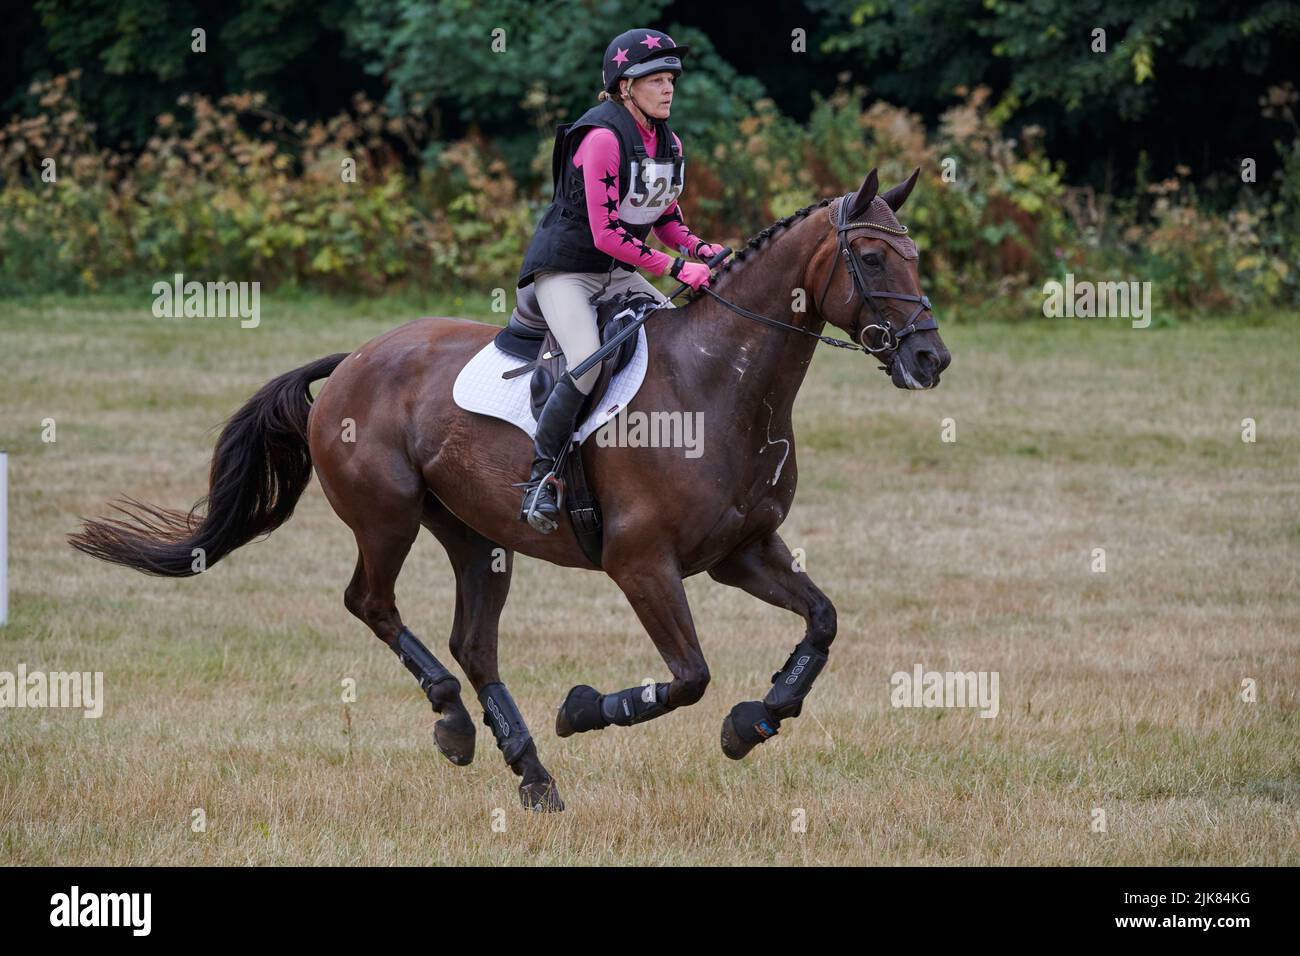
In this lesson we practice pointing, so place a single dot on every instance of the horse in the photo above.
(416, 459)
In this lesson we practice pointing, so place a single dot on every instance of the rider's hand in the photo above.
(694, 274)
(707, 250)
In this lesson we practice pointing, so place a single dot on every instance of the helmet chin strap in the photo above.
(641, 116)
(638, 114)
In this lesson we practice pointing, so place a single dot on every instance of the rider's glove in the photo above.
(694, 274)
(707, 250)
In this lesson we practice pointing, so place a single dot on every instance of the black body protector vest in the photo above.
(647, 186)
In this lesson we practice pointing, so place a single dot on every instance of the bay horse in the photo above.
(417, 459)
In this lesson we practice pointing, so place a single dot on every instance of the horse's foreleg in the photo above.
(483, 571)
(654, 589)
(767, 570)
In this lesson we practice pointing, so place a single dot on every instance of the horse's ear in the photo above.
(861, 200)
(898, 195)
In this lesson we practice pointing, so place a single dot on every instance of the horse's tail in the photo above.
(260, 468)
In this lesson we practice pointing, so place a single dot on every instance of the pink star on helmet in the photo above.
(621, 57)
(651, 42)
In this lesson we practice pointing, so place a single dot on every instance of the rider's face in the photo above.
(653, 94)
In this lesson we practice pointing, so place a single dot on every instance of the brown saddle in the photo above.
(526, 336)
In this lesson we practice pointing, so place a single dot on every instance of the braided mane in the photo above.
(760, 239)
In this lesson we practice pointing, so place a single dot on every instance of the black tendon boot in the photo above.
(541, 507)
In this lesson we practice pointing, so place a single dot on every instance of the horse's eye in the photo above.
(872, 260)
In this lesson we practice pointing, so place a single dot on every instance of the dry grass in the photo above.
(1118, 690)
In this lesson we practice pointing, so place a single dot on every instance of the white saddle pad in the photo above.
(480, 388)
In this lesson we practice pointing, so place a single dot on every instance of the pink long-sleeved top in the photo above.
(597, 156)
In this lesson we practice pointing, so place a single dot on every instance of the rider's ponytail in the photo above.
(622, 100)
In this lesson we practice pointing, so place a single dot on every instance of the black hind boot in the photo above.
(541, 506)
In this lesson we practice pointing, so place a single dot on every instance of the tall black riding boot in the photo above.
(555, 427)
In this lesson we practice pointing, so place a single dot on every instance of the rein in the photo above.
(890, 339)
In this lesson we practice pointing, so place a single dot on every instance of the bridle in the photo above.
(885, 347)
(889, 338)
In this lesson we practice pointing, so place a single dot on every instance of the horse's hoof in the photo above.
(747, 726)
(579, 712)
(542, 796)
(455, 742)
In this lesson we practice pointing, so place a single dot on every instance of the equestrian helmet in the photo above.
(640, 52)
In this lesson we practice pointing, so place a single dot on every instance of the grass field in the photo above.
(1118, 690)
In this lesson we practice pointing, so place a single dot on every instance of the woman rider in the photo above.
(618, 173)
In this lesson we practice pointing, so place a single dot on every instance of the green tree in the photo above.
(1181, 76)
(516, 67)
(137, 56)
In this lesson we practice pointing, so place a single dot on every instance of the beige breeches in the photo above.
(564, 299)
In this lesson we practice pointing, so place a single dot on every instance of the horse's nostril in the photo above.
(928, 361)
